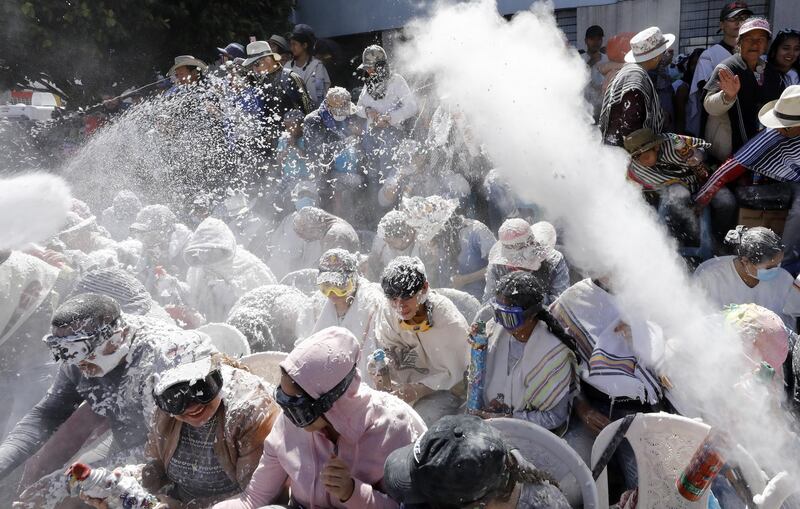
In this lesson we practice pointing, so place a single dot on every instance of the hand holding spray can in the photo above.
(383, 380)
(476, 376)
(120, 489)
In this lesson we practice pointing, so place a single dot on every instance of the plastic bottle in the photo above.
(706, 463)
(383, 380)
(117, 488)
(477, 368)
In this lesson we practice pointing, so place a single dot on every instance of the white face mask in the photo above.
(338, 118)
(106, 363)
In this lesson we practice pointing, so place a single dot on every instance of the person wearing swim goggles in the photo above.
(422, 332)
(95, 349)
(329, 444)
(531, 366)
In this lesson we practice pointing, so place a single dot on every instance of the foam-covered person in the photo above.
(351, 301)
(329, 444)
(424, 336)
(395, 237)
(313, 224)
(209, 428)
(752, 276)
(531, 362)
(530, 248)
(108, 360)
(220, 271)
(117, 218)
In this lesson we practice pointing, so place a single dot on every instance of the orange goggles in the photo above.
(327, 289)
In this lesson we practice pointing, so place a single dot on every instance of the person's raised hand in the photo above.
(729, 84)
(337, 479)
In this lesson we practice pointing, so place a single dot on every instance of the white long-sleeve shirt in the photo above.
(398, 102)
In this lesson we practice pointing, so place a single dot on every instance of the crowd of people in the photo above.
(374, 244)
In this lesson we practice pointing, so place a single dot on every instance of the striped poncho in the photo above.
(672, 166)
(540, 380)
(770, 153)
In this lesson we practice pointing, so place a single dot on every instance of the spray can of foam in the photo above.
(383, 380)
(117, 488)
(476, 375)
(705, 465)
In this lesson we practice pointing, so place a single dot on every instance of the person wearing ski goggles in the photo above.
(209, 427)
(423, 334)
(334, 434)
(352, 301)
(531, 366)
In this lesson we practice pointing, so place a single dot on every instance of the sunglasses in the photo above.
(303, 410)
(76, 347)
(175, 399)
(510, 317)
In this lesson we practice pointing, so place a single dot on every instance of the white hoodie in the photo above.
(214, 288)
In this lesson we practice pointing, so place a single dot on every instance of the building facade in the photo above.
(694, 22)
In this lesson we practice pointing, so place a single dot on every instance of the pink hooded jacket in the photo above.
(371, 425)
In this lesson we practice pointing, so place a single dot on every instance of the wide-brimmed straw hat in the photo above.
(187, 61)
(784, 111)
(257, 50)
(648, 44)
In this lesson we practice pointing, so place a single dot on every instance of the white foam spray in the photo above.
(521, 89)
(32, 208)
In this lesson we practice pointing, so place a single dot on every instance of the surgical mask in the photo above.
(306, 201)
(768, 274)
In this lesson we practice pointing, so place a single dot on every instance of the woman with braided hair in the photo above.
(531, 364)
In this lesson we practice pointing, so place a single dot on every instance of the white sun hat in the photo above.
(784, 111)
(647, 44)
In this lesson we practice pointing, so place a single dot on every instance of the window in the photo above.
(567, 20)
(700, 21)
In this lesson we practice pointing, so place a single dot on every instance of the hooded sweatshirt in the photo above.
(371, 425)
(215, 287)
(360, 318)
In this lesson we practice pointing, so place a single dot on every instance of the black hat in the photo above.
(594, 31)
(304, 34)
(461, 459)
(233, 50)
(733, 9)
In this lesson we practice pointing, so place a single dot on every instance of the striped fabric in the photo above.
(632, 77)
(118, 284)
(551, 379)
(606, 363)
(770, 154)
(671, 167)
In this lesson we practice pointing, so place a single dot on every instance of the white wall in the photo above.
(785, 14)
(633, 16)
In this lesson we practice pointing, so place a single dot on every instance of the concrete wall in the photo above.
(632, 16)
(331, 18)
(785, 14)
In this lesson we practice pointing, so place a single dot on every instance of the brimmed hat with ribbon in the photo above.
(641, 140)
(257, 50)
(187, 61)
(521, 245)
(784, 111)
(648, 44)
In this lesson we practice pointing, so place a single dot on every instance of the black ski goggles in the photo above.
(303, 410)
(175, 399)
